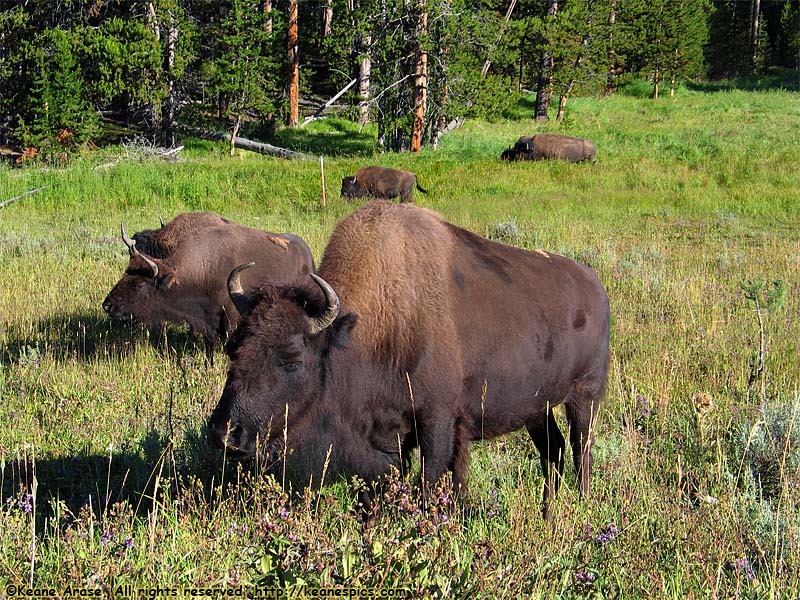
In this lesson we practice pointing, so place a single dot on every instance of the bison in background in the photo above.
(381, 182)
(179, 273)
(489, 337)
(551, 146)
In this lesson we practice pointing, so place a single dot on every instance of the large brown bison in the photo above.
(381, 182)
(409, 318)
(553, 146)
(179, 273)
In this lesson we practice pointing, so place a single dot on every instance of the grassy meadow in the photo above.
(691, 217)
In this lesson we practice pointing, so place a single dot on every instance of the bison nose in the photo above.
(227, 435)
(107, 304)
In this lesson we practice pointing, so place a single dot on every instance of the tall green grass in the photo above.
(104, 462)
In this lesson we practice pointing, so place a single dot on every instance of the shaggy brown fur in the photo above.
(433, 307)
(552, 146)
(194, 254)
(381, 182)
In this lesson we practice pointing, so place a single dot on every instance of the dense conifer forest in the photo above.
(414, 68)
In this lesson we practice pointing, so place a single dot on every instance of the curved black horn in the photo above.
(161, 220)
(240, 299)
(128, 241)
(150, 263)
(332, 309)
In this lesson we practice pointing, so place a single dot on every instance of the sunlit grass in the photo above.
(689, 198)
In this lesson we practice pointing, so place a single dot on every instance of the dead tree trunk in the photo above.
(168, 112)
(613, 72)
(327, 18)
(268, 13)
(544, 85)
(488, 62)
(294, 67)
(754, 26)
(656, 80)
(420, 81)
(364, 71)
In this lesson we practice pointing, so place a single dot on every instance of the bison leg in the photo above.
(580, 415)
(549, 442)
(459, 464)
(436, 442)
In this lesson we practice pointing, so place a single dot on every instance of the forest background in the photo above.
(414, 68)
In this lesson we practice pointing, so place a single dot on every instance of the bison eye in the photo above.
(291, 367)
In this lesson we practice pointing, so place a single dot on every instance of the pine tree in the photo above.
(59, 116)
(244, 69)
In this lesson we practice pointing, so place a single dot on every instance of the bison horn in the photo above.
(131, 244)
(128, 241)
(332, 306)
(238, 296)
(150, 263)
(161, 220)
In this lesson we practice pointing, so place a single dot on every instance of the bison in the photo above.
(551, 146)
(415, 332)
(182, 275)
(381, 182)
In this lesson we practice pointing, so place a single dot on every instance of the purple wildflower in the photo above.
(128, 543)
(643, 404)
(25, 503)
(106, 537)
(587, 578)
(283, 513)
(743, 565)
(608, 534)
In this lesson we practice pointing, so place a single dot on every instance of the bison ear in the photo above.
(166, 281)
(339, 331)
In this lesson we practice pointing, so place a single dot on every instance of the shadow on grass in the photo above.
(782, 79)
(134, 475)
(333, 137)
(90, 336)
(523, 109)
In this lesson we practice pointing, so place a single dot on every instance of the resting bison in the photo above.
(411, 301)
(381, 182)
(551, 146)
(182, 278)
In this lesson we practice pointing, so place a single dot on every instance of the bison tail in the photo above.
(420, 188)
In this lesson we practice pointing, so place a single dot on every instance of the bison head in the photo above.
(351, 188)
(276, 361)
(134, 298)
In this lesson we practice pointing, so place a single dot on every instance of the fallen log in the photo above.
(21, 196)
(245, 144)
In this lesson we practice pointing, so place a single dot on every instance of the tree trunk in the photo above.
(168, 113)
(611, 82)
(488, 62)
(544, 85)
(327, 18)
(656, 79)
(268, 13)
(152, 21)
(294, 67)
(364, 71)
(235, 133)
(562, 108)
(754, 25)
(420, 81)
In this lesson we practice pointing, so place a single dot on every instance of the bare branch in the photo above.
(21, 196)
